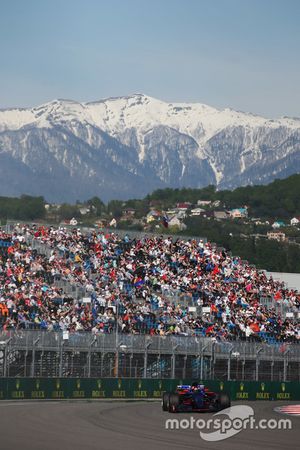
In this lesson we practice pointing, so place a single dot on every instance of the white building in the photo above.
(197, 211)
(175, 222)
(203, 202)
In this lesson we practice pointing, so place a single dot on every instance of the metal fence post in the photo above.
(212, 361)
(33, 357)
(102, 362)
(184, 366)
(285, 364)
(130, 364)
(6, 353)
(90, 355)
(148, 344)
(243, 367)
(202, 361)
(229, 364)
(257, 363)
(173, 361)
(61, 359)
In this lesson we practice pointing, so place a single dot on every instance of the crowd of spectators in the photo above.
(151, 285)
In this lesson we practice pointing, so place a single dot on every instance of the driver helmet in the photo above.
(194, 386)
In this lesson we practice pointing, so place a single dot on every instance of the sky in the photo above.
(242, 54)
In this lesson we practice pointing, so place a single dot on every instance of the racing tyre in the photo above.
(173, 402)
(223, 401)
(165, 401)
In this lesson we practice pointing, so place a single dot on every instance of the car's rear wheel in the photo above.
(173, 402)
(165, 401)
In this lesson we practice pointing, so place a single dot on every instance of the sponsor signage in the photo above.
(120, 388)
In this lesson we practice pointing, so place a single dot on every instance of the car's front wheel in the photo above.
(173, 402)
(223, 401)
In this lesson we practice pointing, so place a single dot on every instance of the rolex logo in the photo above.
(283, 387)
(139, 384)
(99, 384)
(17, 384)
(78, 384)
(57, 384)
(37, 385)
(262, 386)
(241, 386)
(160, 385)
(119, 383)
(221, 386)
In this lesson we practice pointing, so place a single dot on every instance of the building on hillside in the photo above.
(197, 211)
(204, 202)
(175, 222)
(258, 221)
(181, 214)
(278, 224)
(238, 213)
(295, 221)
(277, 236)
(128, 213)
(221, 215)
(183, 206)
(171, 212)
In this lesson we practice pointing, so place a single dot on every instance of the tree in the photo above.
(67, 212)
(99, 206)
(114, 208)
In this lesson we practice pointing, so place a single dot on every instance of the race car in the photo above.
(195, 397)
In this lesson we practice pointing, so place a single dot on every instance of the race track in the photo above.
(111, 425)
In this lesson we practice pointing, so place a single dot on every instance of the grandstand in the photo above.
(99, 304)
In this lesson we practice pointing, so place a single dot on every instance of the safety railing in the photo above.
(35, 353)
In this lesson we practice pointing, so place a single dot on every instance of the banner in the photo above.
(137, 388)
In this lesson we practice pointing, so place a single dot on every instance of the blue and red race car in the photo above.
(195, 397)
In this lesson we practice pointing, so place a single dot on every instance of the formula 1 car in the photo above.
(196, 398)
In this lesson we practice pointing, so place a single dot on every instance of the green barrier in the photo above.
(131, 388)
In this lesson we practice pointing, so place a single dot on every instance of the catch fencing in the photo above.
(36, 353)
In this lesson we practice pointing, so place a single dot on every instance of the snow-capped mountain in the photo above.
(128, 146)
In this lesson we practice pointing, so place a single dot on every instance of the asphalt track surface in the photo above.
(113, 425)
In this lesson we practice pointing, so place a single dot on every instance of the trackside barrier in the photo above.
(96, 388)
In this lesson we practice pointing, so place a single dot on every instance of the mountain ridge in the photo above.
(135, 144)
